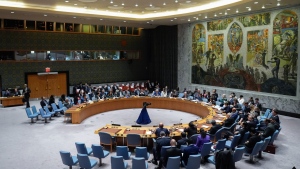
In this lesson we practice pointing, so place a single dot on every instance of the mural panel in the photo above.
(255, 20)
(219, 24)
(261, 66)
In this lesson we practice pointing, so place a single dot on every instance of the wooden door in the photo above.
(38, 85)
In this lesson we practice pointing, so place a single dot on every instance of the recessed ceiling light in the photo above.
(136, 5)
(189, 19)
(101, 19)
(171, 20)
(45, 15)
(123, 4)
(263, 7)
(12, 12)
(74, 17)
(67, 1)
(147, 22)
(205, 17)
(175, 18)
(124, 21)
(237, 11)
(249, 9)
(215, 15)
(150, 5)
(143, 12)
(228, 9)
(188, 2)
(115, 5)
(75, 4)
(220, 13)
(278, 4)
(225, 13)
(255, 2)
(111, 2)
(197, 18)
(278, 0)
(152, 20)
(164, 3)
(194, 17)
(176, 1)
(199, 15)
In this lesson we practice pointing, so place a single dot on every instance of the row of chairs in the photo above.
(44, 113)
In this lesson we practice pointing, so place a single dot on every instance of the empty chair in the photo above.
(173, 163)
(99, 152)
(231, 144)
(82, 149)
(275, 134)
(220, 145)
(61, 106)
(193, 162)
(205, 151)
(106, 139)
(238, 154)
(139, 163)
(44, 115)
(55, 109)
(123, 151)
(231, 128)
(48, 111)
(163, 150)
(30, 115)
(245, 138)
(255, 150)
(142, 152)
(265, 145)
(85, 162)
(133, 140)
(34, 110)
(194, 138)
(67, 159)
(117, 162)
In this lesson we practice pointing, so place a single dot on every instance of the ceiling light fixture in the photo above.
(123, 4)
(66, 1)
(278, 4)
(237, 11)
(176, 1)
(225, 13)
(164, 3)
(171, 20)
(111, 2)
(45, 15)
(101, 19)
(263, 7)
(205, 17)
(175, 18)
(147, 22)
(12, 12)
(150, 5)
(249, 9)
(220, 13)
(197, 18)
(136, 5)
(124, 21)
(74, 17)
(228, 9)
(75, 4)
(189, 20)
(215, 15)
(255, 2)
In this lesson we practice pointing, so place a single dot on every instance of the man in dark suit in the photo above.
(229, 121)
(269, 130)
(161, 128)
(26, 92)
(191, 149)
(226, 109)
(254, 138)
(171, 152)
(215, 127)
(182, 141)
(44, 103)
(160, 141)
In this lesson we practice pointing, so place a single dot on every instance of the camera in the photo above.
(146, 104)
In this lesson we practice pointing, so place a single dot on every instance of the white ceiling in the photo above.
(139, 13)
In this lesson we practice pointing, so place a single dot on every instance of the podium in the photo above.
(143, 117)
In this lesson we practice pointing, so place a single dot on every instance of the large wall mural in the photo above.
(255, 20)
(252, 62)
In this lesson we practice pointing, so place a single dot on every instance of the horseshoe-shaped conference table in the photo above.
(81, 112)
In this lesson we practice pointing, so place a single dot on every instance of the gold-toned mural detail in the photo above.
(199, 42)
(219, 24)
(235, 38)
(255, 19)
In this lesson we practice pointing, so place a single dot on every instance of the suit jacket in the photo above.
(214, 129)
(189, 150)
(190, 131)
(26, 93)
(251, 142)
(158, 130)
(180, 142)
(172, 152)
(224, 160)
(161, 141)
(226, 109)
(228, 122)
(269, 131)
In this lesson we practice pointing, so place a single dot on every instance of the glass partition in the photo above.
(77, 27)
(59, 26)
(85, 28)
(69, 27)
(49, 26)
(30, 25)
(40, 25)
(101, 29)
(13, 24)
(129, 30)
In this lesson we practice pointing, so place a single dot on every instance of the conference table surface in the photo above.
(12, 101)
(205, 112)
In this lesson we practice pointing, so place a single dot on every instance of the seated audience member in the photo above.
(156, 93)
(251, 123)
(51, 100)
(6, 93)
(164, 93)
(126, 93)
(174, 93)
(76, 99)
(211, 102)
(44, 103)
(119, 93)
(183, 140)
(234, 114)
(215, 127)
(142, 93)
(197, 95)
(146, 91)
(67, 103)
(223, 100)
(275, 116)
(236, 104)
(254, 138)
(257, 104)
(137, 91)
(185, 95)
(226, 108)
(251, 101)
(241, 100)
(62, 98)
(242, 130)
(229, 121)
(269, 130)
(245, 111)
(191, 130)
(160, 129)
(191, 149)
(202, 138)
(171, 152)
(16, 92)
(163, 140)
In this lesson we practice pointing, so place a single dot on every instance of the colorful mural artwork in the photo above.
(218, 25)
(199, 43)
(255, 20)
(260, 66)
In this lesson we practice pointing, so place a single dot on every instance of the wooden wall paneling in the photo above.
(61, 84)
